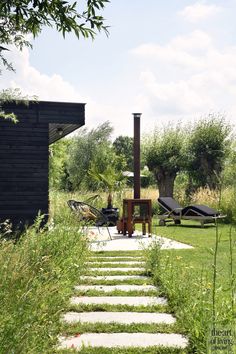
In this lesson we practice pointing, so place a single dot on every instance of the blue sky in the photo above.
(171, 60)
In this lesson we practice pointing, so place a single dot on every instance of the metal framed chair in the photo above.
(89, 214)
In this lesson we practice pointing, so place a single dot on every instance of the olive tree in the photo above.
(208, 147)
(165, 156)
(88, 146)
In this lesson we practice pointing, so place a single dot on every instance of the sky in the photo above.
(173, 61)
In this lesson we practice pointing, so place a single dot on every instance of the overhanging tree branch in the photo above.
(20, 18)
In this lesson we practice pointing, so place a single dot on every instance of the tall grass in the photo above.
(189, 296)
(59, 199)
(201, 196)
(37, 276)
(199, 283)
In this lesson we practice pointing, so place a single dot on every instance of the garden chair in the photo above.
(89, 214)
(173, 211)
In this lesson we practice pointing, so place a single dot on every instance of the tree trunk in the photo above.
(165, 184)
(109, 201)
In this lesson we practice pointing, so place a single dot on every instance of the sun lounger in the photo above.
(173, 211)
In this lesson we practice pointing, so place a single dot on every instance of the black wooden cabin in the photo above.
(24, 155)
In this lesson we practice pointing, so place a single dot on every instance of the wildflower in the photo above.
(178, 257)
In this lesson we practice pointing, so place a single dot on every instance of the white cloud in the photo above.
(186, 77)
(199, 12)
(54, 88)
(194, 41)
(32, 82)
(181, 50)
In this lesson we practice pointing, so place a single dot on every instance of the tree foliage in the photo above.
(229, 173)
(164, 153)
(208, 148)
(87, 162)
(123, 145)
(89, 147)
(18, 19)
(110, 177)
(58, 174)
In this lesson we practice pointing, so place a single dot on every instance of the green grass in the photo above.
(73, 329)
(116, 265)
(147, 281)
(118, 293)
(117, 308)
(134, 350)
(200, 258)
(118, 253)
(186, 277)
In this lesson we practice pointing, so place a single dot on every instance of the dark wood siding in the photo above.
(24, 156)
(24, 169)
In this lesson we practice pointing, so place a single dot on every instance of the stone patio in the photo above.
(100, 241)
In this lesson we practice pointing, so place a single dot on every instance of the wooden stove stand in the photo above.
(135, 211)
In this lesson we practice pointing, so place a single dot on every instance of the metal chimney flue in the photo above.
(137, 117)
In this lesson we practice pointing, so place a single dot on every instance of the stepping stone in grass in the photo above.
(119, 262)
(115, 269)
(111, 340)
(110, 288)
(119, 300)
(119, 317)
(114, 277)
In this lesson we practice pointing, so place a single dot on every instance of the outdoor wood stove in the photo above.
(136, 210)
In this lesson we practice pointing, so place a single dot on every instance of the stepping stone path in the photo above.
(121, 317)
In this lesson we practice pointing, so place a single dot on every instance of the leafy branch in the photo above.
(28, 17)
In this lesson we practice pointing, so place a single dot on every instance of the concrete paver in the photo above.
(115, 269)
(119, 262)
(114, 277)
(115, 257)
(119, 317)
(119, 300)
(111, 340)
(111, 288)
